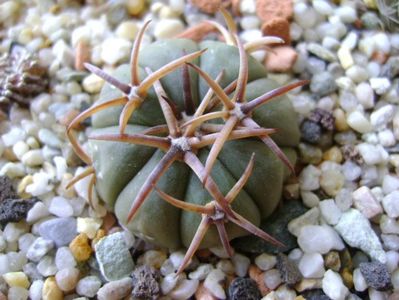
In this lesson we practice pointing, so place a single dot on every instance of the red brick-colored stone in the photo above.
(197, 32)
(269, 9)
(280, 59)
(82, 55)
(277, 27)
(257, 275)
(207, 6)
(203, 293)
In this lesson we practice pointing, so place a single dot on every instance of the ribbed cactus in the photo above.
(185, 138)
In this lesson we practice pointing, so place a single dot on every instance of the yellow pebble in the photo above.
(333, 154)
(80, 247)
(299, 298)
(51, 291)
(17, 279)
(370, 3)
(28, 179)
(89, 226)
(340, 120)
(99, 235)
(25, 36)
(92, 84)
(127, 30)
(347, 277)
(135, 7)
(152, 258)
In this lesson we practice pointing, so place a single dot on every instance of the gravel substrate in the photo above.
(345, 244)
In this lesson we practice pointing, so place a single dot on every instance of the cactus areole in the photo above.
(186, 148)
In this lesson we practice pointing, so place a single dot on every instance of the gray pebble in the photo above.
(113, 257)
(323, 84)
(114, 290)
(146, 283)
(376, 275)
(289, 271)
(60, 230)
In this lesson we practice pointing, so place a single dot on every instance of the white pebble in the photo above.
(390, 183)
(309, 178)
(64, 258)
(351, 171)
(265, 261)
(391, 204)
(114, 50)
(390, 241)
(12, 231)
(12, 170)
(20, 148)
(304, 15)
(372, 154)
(176, 259)
(35, 290)
(355, 229)
(46, 266)
(381, 42)
(247, 6)
(392, 260)
(310, 199)
(380, 117)
(377, 295)
(25, 241)
(169, 282)
(386, 138)
(350, 41)
(346, 14)
(89, 226)
(184, 289)
(357, 121)
(249, 22)
(67, 279)
(39, 248)
(311, 265)
(366, 203)
(330, 211)
(333, 286)
(37, 212)
(241, 264)
(320, 239)
(311, 217)
(61, 166)
(88, 286)
(17, 293)
(359, 282)
(380, 85)
(168, 28)
(201, 272)
(41, 184)
(60, 207)
(272, 278)
(345, 57)
(13, 136)
(213, 283)
(323, 7)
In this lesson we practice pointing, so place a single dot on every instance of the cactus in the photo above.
(185, 137)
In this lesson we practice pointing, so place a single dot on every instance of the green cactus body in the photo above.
(122, 168)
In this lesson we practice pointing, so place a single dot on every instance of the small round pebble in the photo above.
(243, 288)
(88, 286)
(67, 279)
(376, 275)
(117, 289)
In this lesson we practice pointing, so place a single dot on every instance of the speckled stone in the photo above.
(114, 257)
(376, 275)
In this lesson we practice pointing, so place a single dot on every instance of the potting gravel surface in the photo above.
(342, 236)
